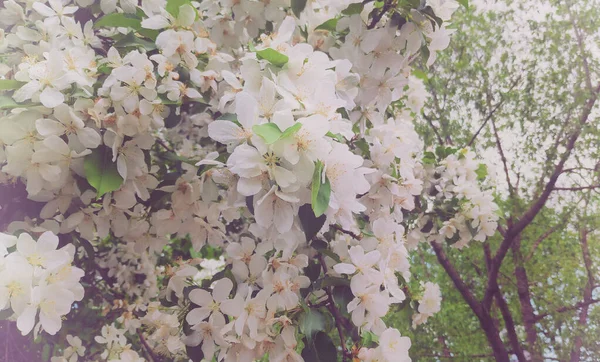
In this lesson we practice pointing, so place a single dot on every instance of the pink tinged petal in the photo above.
(283, 216)
(240, 323)
(50, 322)
(48, 127)
(358, 315)
(225, 131)
(356, 254)
(371, 258)
(43, 9)
(197, 315)
(26, 245)
(201, 297)
(89, 137)
(249, 186)
(26, 320)
(47, 242)
(344, 268)
(27, 91)
(51, 97)
(222, 289)
(232, 307)
(246, 109)
(353, 304)
(155, 22)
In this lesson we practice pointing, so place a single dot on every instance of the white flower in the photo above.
(393, 346)
(209, 304)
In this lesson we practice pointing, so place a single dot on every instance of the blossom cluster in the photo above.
(275, 136)
(36, 278)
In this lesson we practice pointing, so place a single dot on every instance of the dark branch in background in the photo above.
(493, 111)
(531, 213)
(151, 354)
(377, 17)
(346, 356)
(434, 128)
(347, 232)
(567, 308)
(578, 188)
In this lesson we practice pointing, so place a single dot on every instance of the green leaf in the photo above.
(429, 158)
(174, 5)
(310, 323)
(319, 349)
(133, 41)
(329, 25)
(100, 172)
(298, 6)
(342, 296)
(9, 103)
(336, 136)
(118, 20)
(269, 132)
(420, 74)
(481, 172)
(6, 84)
(273, 56)
(310, 223)
(290, 131)
(320, 192)
(464, 3)
(352, 9)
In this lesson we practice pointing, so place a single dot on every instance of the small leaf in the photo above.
(332, 282)
(420, 74)
(481, 172)
(320, 192)
(273, 56)
(133, 41)
(310, 323)
(319, 349)
(352, 9)
(298, 6)
(310, 223)
(100, 172)
(290, 131)
(464, 3)
(342, 296)
(329, 25)
(269, 132)
(174, 5)
(6, 84)
(118, 20)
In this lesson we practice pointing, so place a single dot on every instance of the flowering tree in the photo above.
(222, 180)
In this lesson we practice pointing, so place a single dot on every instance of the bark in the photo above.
(527, 312)
(485, 319)
(587, 298)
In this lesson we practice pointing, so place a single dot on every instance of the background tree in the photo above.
(520, 86)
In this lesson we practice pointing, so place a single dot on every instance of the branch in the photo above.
(456, 279)
(377, 17)
(434, 128)
(347, 356)
(510, 326)
(578, 188)
(347, 232)
(567, 308)
(152, 355)
(531, 213)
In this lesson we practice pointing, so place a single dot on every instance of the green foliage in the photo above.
(273, 56)
(6, 84)
(320, 190)
(311, 224)
(311, 322)
(100, 172)
(269, 132)
(298, 6)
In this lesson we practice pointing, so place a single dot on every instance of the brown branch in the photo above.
(347, 232)
(456, 279)
(346, 355)
(510, 326)
(151, 354)
(531, 213)
(434, 128)
(579, 188)
(567, 308)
